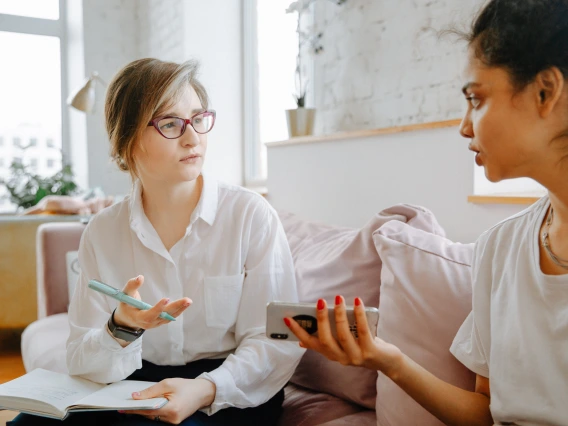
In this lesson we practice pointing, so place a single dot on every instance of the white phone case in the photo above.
(305, 315)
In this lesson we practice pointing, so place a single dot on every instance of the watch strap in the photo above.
(123, 333)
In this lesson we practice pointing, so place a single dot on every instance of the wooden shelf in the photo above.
(503, 199)
(366, 133)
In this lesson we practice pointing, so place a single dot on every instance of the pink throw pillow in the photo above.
(332, 260)
(425, 297)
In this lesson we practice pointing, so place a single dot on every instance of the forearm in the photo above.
(450, 404)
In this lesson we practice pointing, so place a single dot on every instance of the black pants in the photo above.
(266, 414)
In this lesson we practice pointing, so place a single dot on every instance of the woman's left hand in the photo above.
(185, 397)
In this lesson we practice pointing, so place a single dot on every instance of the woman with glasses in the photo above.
(516, 337)
(184, 243)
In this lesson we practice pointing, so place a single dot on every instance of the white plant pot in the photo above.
(300, 121)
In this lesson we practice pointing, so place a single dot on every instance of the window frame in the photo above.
(52, 28)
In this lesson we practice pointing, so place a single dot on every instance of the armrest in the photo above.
(53, 240)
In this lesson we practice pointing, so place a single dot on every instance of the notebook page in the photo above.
(119, 396)
(56, 389)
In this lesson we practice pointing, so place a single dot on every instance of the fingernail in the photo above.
(165, 302)
(139, 277)
(357, 301)
(287, 322)
(136, 394)
(185, 305)
(321, 304)
(338, 300)
(121, 411)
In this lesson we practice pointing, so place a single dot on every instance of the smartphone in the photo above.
(305, 315)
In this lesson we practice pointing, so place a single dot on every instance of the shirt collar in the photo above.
(206, 208)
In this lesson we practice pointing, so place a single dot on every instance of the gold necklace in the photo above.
(546, 244)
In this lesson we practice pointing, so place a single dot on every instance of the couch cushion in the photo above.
(303, 407)
(425, 297)
(44, 344)
(336, 260)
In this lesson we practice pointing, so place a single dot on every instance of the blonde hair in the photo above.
(138, 93)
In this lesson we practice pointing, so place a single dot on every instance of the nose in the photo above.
(466, 127)
(190, 137)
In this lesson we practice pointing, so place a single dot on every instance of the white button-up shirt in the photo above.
(233, 259)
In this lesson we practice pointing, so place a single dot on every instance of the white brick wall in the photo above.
(383, 64)
(160, 28)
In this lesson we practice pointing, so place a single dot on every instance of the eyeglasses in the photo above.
(172, 127)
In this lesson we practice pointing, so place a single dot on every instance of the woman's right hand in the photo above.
(131, 317)
(366, 351)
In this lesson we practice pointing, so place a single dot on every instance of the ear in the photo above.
(549, 85)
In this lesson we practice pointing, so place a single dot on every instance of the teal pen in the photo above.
(121, 297)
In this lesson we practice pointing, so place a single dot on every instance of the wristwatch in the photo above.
(124, 333)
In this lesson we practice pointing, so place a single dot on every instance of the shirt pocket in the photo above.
(222, 300)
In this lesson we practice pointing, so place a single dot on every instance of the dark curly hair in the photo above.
(523, 36)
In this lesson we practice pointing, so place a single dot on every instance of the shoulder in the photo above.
(244, 199)
(107, 221)
(507, 232)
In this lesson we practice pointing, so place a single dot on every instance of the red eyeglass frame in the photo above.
(186, 121)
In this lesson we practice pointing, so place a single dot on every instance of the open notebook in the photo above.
(48, 394)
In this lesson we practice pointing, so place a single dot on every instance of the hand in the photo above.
(131, 317)
(185, 397)
(366, 351)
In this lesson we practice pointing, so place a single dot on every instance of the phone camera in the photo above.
(281, 336)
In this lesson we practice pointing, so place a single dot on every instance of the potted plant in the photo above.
(301, 119)
(26, 188)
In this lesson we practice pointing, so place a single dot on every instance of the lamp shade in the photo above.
(84, 98)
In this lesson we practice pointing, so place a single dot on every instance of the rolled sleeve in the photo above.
(92, 352)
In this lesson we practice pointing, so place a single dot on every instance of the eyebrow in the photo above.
(468, 85)
(193, 111)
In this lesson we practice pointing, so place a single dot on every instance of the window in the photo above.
(33, 163)
(50, 163)
(271, 47)
(46, 9)
(1, 162)
(34, 26)
(49, 143)
(1, 141)
(522, 186)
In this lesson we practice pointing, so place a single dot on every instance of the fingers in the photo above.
(344, 335)
(324, 332)
(154, 391)
(363, 332)
(133, 285)
(176, 308)
(306, 341)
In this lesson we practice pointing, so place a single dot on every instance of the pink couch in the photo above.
(400, 262)
(43, 342)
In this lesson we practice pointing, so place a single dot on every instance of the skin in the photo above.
(514, 133)
(172, 186)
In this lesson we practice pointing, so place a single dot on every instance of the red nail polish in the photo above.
(321, 304)
(357, 301)
(337, 300)
(121, 411)
(287, 322)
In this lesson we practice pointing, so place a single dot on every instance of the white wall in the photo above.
(213, 34)
(111, 41)
(117, 32)
(345, 182)
(383, 65)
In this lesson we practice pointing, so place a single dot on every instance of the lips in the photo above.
(190, 157)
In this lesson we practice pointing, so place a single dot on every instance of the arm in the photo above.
(91, 351)
(260, 367)
(450, 404)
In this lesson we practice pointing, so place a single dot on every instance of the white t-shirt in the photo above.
(517, 332)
